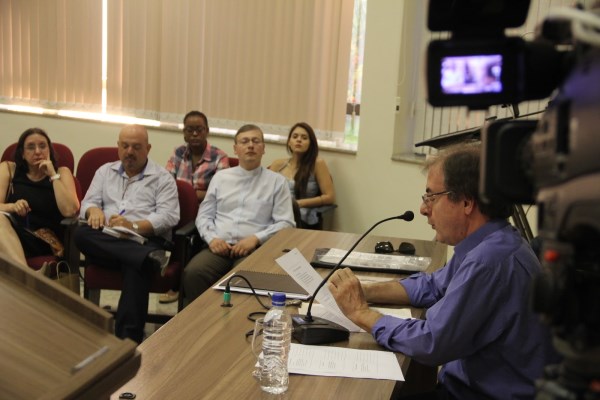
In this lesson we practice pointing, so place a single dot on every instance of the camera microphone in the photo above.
(314, 330)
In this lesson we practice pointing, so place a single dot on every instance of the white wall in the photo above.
(369, 185)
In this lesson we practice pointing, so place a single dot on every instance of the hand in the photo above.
(244, 247)
(95, 218)
(348, 293)
(220, 247)
(21, 207)
(119, 220)
(46, 167)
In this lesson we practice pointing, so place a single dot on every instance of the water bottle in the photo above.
(277, 335)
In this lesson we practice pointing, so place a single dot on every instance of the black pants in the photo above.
(130, 258)
(440, 393)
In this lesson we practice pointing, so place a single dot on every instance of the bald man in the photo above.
(140, 195)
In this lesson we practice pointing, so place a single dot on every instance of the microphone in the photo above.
(309, 330)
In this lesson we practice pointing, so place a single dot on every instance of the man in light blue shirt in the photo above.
(244, 206)
(479, 325)
(140, 195)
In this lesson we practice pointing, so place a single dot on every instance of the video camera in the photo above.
(553, 162)
(479, 66)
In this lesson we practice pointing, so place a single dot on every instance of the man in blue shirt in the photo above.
(479, 326)
(140, 195)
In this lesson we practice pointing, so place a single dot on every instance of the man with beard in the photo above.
(140, 195)
(479, 325)
(244, 206)
(195, 162)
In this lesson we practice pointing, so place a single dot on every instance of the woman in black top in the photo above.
(36, 194)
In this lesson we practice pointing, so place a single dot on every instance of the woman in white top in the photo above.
(308, 176)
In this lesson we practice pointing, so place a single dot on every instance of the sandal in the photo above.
(168, 297)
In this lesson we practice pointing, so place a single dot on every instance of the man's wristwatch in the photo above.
(135, 226)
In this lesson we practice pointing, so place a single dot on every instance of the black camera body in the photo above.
(479, 66)
(479, 73)
(553, 162)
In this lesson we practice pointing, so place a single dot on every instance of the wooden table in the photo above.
(54, 344)
(202, 352)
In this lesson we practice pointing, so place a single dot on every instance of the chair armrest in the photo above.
(323, 209)
(187, 230)
(188, 242)
(69, 221)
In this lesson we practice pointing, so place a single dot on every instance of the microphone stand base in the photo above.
(317, 331)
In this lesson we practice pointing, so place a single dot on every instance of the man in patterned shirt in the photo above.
(195, 162)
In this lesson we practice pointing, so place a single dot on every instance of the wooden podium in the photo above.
(56, 345)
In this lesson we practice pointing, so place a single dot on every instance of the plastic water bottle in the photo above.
(277, 335)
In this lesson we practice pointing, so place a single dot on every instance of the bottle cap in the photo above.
(278, 299)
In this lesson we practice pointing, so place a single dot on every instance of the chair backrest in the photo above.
(90, 161)
(234, 162)
(63, 154)
(188, 202)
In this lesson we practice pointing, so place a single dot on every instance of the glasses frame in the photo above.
(429, 198)
(191, 129)
(33, 147)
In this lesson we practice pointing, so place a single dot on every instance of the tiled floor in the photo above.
(110, 298)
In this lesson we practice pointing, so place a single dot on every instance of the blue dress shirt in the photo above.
(479, 324)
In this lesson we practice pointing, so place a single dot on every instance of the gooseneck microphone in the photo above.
(314, 330)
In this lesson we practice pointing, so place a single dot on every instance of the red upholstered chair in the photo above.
(234, 162)
(90, 161)
(98, 278)
(64, 158)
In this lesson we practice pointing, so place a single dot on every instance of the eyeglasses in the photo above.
(192, 129)
(32, 147)
(429, 198)
(247, 141)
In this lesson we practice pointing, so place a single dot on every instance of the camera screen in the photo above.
(472, 74)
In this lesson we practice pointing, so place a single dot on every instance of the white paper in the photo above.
(319, 311)
(337, 361)
(403, 312)
(294, 263)
(127, 231)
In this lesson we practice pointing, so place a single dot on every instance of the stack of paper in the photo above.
(124, 233)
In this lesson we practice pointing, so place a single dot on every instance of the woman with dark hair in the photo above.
(308, 176)
(35, 194)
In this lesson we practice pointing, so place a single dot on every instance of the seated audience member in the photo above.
(244, 206)
(195, 162)
(35, 194)
(140, 195)
(308, 176)
(479, 326)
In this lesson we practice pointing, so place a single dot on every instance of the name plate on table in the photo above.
(375, 262)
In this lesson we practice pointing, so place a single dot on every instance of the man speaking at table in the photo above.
(479, 326)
